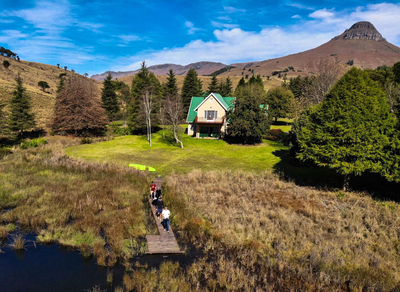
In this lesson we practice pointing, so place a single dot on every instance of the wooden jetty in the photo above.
(165, 243)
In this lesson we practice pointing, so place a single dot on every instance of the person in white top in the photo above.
(166, 213)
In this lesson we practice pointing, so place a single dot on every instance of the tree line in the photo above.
(8, 53)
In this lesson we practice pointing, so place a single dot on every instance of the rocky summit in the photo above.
(362, 30)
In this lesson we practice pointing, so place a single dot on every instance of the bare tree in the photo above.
(146, 108)
(163, 119)
(392, 95)
(325, 74)
(174, 110)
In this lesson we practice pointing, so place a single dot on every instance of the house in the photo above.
(206, 115)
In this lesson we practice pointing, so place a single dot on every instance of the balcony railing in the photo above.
(204, 120)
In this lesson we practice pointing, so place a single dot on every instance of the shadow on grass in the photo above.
(281, 123)
(326, 178)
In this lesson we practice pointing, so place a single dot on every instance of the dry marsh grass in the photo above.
(18, 242)
(97, 208)
(259, 233)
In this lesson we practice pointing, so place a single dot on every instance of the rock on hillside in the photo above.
(362, 30)
(202, 68)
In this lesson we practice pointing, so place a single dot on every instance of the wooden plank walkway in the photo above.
(165, 243)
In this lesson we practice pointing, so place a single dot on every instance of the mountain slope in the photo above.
(361, 45)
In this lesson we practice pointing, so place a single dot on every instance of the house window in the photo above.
(210, 115)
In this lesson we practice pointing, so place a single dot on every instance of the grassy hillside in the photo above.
(31, 73)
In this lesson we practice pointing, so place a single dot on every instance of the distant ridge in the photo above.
(202, 68)
(361, 45)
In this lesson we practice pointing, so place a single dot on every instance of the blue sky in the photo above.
(94, 36)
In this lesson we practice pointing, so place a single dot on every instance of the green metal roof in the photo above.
(227, 102)
(192, 114)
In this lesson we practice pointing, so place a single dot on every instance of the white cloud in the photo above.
(127, 38)
(322, 14)
(11, 35)
(218, 24)
(230, 9)
(299, 6)
(236, 45)
(191, 28)
(296, 16)
(51, 17)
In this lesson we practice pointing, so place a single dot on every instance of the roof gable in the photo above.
(219, 99)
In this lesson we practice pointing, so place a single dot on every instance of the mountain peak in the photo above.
(362, 30)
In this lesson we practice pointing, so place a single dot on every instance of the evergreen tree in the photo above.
(44, 85)
(3, 120)
(349, 130)
(242, 82)
(6, 64)
(226, 87)
(170, 87)
(213, 87)
(192, 86)
(396, 72)
(248, 119)
(61, 83)
(109, 97)
(144, 81)
(21, 117)
(279, 100)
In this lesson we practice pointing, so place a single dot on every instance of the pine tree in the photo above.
(61, 83)
(170, 87)
(109, 98)
(248, 119)
(396, 72)
(225, 88)
(242, 82)
(21, 117)
(192, 86)
(349, 130)
(78, 108)
(213, 87)
(228, 87)
(3, 120)
(143, 81)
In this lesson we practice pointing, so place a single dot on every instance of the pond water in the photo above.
(55, 268)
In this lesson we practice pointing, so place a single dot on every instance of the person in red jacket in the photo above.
(152, 189)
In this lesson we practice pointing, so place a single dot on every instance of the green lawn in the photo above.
(166, 157)
(282, 127)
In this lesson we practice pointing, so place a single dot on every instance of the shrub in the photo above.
(33, 143)
(4, 151)
(276, 135)
(18, 242)
(86, 141)
(3, 231)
